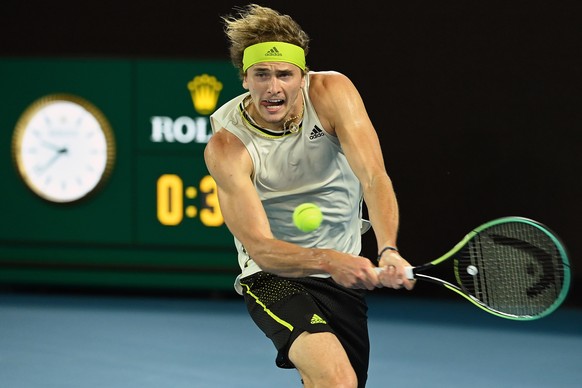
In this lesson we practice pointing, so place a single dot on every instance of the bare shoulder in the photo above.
(225, 152)
(325, 81)
(325, 90)
(223, 140)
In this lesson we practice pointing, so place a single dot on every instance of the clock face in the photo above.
(63, 148)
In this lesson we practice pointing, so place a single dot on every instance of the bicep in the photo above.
(231, 167)
(243, 212)
(353, 127)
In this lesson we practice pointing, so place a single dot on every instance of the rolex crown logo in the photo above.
(205, 90)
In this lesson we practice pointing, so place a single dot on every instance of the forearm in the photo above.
(290, 260)
(383, 210)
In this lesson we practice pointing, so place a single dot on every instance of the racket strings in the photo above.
(512, 268)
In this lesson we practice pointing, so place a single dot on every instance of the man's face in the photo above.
(274, 88)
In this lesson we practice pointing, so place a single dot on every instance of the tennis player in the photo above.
(300, 136)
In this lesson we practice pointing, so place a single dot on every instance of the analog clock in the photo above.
(63, 148)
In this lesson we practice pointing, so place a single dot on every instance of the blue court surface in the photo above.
(64, 340)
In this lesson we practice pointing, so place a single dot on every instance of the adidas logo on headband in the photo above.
(273, 53)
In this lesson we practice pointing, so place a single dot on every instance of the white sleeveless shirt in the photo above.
(293, 168)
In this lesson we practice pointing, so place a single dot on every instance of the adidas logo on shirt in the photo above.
(317, 319)
(315, 133)
(273, 53)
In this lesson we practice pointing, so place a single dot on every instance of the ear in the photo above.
(245, 84)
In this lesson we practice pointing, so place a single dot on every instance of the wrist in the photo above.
(387, 248)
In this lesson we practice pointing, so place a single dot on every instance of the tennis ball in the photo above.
(307, 217)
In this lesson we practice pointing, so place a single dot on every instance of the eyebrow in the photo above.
(268, 69)
(263, 69)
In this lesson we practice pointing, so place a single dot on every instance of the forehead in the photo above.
(274, 67)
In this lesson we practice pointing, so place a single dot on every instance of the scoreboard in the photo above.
(103, 176)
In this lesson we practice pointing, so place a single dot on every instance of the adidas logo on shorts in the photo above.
(315, 319)
(315, 133)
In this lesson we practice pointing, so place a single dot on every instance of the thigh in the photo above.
(286, 308)
(321, 360)
(282, 309)
(345, 311)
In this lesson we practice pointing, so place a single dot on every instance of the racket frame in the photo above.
(415, 272)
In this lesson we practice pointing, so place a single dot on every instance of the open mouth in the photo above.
(269, 103)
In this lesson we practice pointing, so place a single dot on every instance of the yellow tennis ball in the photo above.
(307, 217)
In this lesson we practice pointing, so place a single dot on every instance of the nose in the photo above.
(274, 86)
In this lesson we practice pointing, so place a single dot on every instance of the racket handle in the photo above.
(409, 271)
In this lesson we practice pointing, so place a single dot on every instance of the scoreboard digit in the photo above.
(170, 201)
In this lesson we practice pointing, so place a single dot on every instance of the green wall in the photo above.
(125, 234)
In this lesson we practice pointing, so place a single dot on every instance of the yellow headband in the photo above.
(274, 52)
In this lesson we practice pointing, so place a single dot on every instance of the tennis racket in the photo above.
(511, 267)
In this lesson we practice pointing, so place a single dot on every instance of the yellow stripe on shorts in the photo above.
(271, 314)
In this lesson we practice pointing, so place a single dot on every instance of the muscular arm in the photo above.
(231, 167)
(347, 118)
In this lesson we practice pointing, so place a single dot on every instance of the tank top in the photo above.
(294, 168)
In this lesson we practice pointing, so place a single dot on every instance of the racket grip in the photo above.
(409, 271)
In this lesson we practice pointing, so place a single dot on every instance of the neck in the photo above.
(292, 123)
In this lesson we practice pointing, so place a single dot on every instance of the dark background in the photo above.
(477, 104)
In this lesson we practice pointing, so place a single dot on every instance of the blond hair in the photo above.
(256, 24)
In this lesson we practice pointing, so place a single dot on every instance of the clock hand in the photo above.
(58, 153)
(52, 146)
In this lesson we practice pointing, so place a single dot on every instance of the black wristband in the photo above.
(388, 248)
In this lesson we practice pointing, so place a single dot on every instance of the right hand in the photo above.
(393, 273)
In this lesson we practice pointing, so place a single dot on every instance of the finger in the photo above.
(389, 277)
(409, 284)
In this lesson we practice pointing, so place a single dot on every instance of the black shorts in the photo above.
(283, 308)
